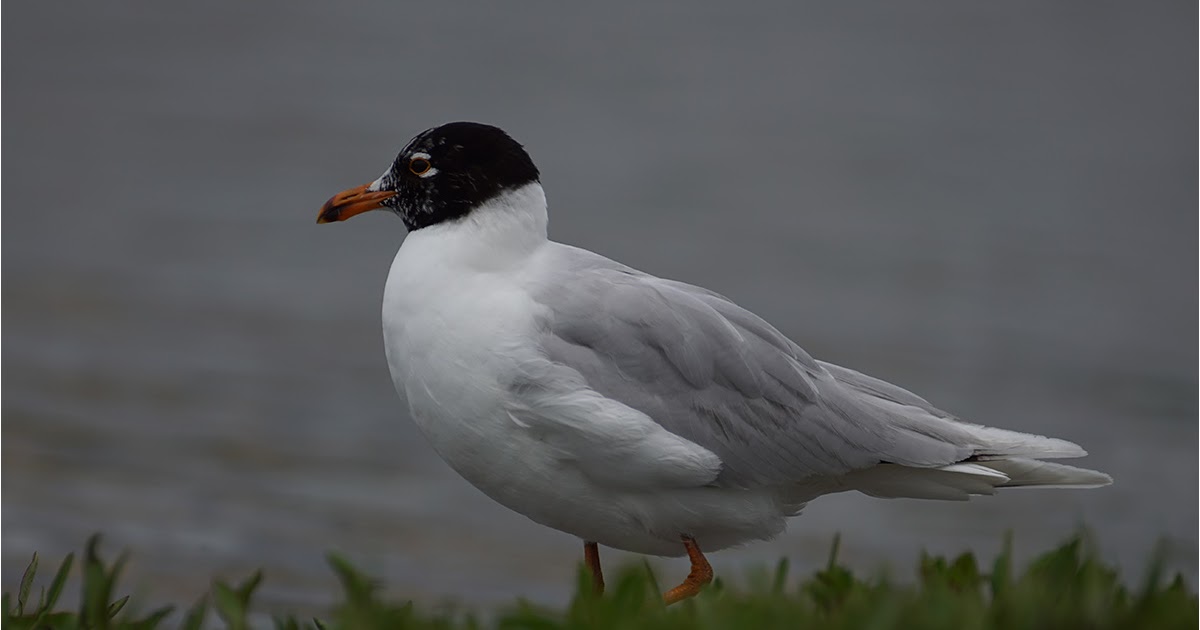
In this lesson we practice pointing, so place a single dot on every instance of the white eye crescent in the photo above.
(419, 165)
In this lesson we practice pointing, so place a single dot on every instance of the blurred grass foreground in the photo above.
(1068, 587)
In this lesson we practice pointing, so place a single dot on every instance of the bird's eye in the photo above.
(419, 166)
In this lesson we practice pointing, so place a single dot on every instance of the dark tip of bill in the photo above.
(329, 214)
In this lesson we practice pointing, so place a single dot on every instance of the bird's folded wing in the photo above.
(719, 376)
(871, 386)
(604, 439)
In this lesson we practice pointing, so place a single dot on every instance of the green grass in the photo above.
(1068, 587)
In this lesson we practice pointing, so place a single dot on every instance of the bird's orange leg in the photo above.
(591, 556)
(700, 574)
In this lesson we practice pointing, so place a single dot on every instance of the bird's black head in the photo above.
(441, 175)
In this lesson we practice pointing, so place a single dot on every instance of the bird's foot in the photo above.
(700, 574)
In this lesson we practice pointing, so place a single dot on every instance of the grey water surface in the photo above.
(990, 203)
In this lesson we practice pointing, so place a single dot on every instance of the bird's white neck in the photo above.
(502, 231)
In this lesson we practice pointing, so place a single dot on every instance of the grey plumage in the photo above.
(716, 374)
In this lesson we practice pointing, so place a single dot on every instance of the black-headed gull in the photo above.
(635, 412)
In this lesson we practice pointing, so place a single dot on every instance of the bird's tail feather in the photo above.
(1023, 472)
(933, 455)
(957, 482)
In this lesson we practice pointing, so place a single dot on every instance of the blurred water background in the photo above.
(990, 203)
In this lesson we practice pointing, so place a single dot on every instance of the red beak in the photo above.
(353, 201)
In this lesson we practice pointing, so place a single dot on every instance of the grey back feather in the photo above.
(718, 375)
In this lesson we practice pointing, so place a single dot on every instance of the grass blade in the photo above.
(116, 606)
(60, 580)
(779, 584)
(26, 584)
(194, 619)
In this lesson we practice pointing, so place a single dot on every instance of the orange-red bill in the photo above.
(353, 201)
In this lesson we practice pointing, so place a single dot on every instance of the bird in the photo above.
(632, 411)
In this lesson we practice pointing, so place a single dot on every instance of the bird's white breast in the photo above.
(457, 321)
(451, 330)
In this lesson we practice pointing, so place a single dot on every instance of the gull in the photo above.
(631, 411)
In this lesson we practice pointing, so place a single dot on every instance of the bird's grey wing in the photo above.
(721, 377)
(872, 386)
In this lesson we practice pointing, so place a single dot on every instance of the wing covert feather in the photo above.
(716, 374)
